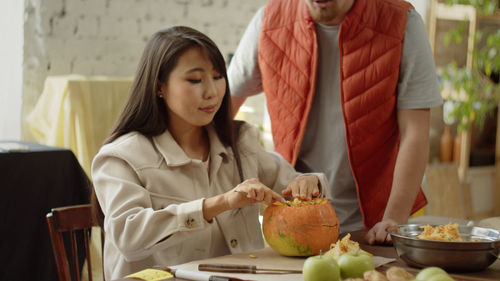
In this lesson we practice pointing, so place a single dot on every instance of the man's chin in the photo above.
(322, 18)
(321, 15)
(330, 12)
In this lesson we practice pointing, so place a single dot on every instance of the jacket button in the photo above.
(190, 222)
(234, 243)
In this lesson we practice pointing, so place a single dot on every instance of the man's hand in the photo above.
(378, 233)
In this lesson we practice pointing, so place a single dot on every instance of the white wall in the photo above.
(421, 7)
(11, 54)
(96, 37)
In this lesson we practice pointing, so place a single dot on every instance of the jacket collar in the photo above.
(175, 156)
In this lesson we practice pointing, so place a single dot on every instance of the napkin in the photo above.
(151, 275)
(379, 261)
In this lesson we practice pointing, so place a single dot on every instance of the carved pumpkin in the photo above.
(300, 228)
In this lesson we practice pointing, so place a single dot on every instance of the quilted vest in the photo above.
(370, 44)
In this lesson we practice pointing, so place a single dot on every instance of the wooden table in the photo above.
(270, 259)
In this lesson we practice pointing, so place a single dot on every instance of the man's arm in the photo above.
(244, 78)
(236, 103)
(408, 173)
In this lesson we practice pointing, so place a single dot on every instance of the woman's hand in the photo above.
(303, 187)
(244, 194)
(249, 192)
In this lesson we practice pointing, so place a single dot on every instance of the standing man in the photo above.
(349, 87)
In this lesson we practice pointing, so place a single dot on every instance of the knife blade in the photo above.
(241, 268)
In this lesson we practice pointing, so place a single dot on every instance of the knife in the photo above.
(237, 268)
(199, 276)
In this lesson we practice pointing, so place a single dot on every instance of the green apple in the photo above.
(354, 264)
(427, 272)
(320, 268)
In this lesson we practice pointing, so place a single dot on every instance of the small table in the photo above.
(32, 183)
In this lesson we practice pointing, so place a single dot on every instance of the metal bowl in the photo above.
(479, 249)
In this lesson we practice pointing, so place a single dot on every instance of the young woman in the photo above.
(178, 180)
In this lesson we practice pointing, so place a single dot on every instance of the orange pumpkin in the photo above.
(300, 228)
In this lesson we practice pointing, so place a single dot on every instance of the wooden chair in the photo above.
(72, 219)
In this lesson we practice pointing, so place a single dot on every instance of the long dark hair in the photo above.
(147, 114)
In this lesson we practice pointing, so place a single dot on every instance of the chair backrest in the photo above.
(70, 219)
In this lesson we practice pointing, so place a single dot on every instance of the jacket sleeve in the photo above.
(131, 222)
(273, 170)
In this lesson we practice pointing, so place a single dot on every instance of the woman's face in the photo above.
(194, 91)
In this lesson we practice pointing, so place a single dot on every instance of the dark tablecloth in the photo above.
(32, 183)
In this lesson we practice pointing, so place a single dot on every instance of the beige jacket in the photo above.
(152, 195)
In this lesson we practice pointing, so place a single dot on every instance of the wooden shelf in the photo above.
(440, 11)
(457, 13)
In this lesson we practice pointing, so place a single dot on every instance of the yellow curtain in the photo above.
(77, 112)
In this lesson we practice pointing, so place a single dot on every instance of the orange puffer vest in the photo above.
(370, 43)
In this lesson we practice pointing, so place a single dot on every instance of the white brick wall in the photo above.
(106, 37)
(11, 58)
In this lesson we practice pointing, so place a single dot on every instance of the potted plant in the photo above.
(475, 87)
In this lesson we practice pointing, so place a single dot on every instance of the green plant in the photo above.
(477, 89)
(261, 141)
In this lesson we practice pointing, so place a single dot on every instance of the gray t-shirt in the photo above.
(324, 145)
